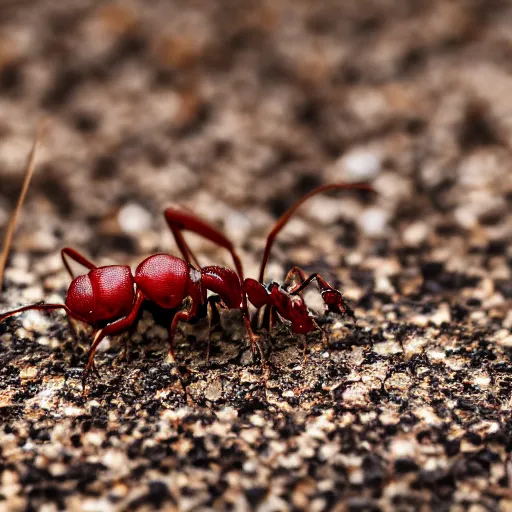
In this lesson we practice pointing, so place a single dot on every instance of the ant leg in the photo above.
(179, 221)
(37, 307)
(183, 315)
(45, 307)
(111, 330)
(213, 319)
(256, 343)
(75, 256)
(283, 220)
(184, 248)
(295, 271)
(325, 341)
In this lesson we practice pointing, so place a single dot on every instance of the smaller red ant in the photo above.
(109, 298)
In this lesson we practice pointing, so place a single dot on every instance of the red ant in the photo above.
(109, 298)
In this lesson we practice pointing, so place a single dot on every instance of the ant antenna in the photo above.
(29, 171)
(288, 213)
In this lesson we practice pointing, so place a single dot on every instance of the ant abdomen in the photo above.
(80, 299)
(104, 294)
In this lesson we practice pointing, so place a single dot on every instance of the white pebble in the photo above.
(19, 276)
(93, 438)
(133, 218)
(290, 461)
(403, 448)
(465, 217)
(35, 321)
(237, 227)
(374, 221)
(355, 394)
(360, 165)
(436, 354)
(442, 315)
(73, 411)
(20, 261)
(482, 380)
(176, 178)
(415, 234)
(91, 505)
(506, 342)
(115, 459)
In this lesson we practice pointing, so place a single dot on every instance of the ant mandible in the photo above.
(109, 298)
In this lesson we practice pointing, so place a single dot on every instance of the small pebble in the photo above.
(134, 219)
(359, 165)
(373, 221)
(237, 227)
(415, 234)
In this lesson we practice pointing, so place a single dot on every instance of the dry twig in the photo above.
(29, 171)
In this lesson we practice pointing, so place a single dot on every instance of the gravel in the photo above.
(235, 110)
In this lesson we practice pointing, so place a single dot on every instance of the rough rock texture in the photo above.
(235, 109)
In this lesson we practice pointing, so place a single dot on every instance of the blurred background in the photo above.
(235, 109)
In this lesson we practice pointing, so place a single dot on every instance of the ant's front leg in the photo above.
(255, 342)
(213, 303)
(184, 315)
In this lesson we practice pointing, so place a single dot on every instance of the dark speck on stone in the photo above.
(158, 494)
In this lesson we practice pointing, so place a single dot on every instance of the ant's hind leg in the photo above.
(179, 221)
(264, 318)
(325, 340)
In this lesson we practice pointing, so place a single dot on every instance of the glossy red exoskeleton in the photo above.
(109, 298)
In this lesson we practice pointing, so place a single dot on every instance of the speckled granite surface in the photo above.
(235, 109)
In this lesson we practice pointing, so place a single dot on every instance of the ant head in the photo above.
(293, 308)
(104, 294)
(80, 299)
(334, 301)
